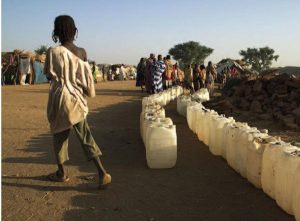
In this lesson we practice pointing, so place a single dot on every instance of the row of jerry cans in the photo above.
(265, 161)
(158, 132)
(163, 98)
(201, 95)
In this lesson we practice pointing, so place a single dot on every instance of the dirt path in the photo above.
(200, 187)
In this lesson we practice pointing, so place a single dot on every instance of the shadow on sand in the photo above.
(200, 187)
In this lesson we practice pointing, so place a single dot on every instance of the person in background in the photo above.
(202, 76)
(169, 70)
(210, 83)
(164, 78)
(122, 75)
(71, 81)
(94, 72)
(175, 74)
(196, 77)
(188, 78)
(158, 69)
(210, 69)
(148, 73)
(140, 80)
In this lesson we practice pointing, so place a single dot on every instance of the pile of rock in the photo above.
(275, 98)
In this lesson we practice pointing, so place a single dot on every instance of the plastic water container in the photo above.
(190, 112)
(268, 169)
(173, 93)
(257, 143)
(167, 97)
(179, 90)
(158, 98)
(147, 101)
(161, 146)
(213, 142)
(285, 173)
(242, 149)
(155, 112)
(157, 121)
(182, 104)
(233, 144)
(148, 118)
(226, 138)
(210, 131)
(216, 141)
(196, 109)
(205, 126)
(150, 105)
(191, 115)
(201, 95)
(200, 127)
(296, 194)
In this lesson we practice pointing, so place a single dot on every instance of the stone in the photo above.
(257, 87)
(266, 116)
(256, 107)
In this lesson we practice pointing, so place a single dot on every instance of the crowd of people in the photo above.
(157, 74)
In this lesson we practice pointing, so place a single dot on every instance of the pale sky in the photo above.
(123, 31)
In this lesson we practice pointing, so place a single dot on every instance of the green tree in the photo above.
(259, 58)
(190, 53)
(41, 50)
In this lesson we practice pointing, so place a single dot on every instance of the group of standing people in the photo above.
(155, 75)
(200, 77)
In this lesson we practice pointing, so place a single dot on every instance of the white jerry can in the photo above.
(286, 168)
(257, 143)
(268, 169)
(194, 116)
(182, 104)
(152, 106)
(148, 118)
(147, 101)
(201, 95)
(296, 194)
(170, 95)
(189, 112)
(213, 140)
(226, 137)
(173, 93)
(160, 99)
(245, 137)
(179, 90)
(213, 131)
(234, 143)
(242, 148)
(210, 131)
(200, 124)
(205, 126)
(217, 143)
(152, 120)
(156, 121)
(151, 112)
(161, 146)
(167, 97)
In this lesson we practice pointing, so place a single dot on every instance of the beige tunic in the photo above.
(71, 82)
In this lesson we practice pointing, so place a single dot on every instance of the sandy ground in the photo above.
(200, 187)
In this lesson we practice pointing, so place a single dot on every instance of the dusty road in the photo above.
(200, 187)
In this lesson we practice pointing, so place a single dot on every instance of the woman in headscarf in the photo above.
(148, 73)
(140, 80)
(158, 69)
